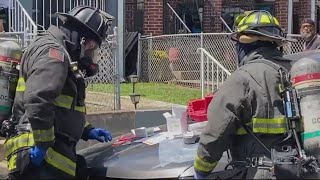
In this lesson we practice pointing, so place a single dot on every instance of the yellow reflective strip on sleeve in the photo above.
(12, 162)
(21, 86)
(63, 101)
(269, 126)
(60, 162)
(80, 108)
(21, 141)
(87, 124)
(241, 131)
(43, 135)
(204, 166)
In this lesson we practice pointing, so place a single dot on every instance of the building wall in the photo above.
(281, 7)
(154, 9)
(131, 7)
(153, 17)
(211, 13)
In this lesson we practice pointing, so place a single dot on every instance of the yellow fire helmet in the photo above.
(258, 25)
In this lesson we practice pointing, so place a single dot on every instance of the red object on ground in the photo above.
(124, 139)
(197, 109)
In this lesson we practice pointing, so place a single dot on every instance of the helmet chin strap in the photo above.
(82, 49)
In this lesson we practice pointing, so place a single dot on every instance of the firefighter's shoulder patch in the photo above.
(56, 54)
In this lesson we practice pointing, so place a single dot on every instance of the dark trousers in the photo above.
(43, 172)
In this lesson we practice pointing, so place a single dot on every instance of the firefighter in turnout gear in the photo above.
(49, 106)
(246, 116)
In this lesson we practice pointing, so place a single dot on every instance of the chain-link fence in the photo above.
(100, 91)
(101, 87)
(174, 58)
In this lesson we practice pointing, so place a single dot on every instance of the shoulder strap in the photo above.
(275, 66)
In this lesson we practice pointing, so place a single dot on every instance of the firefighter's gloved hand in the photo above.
(37, 155)
(97, 132)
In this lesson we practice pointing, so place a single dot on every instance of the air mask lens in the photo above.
(95, 55)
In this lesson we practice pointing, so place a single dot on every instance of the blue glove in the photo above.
(37, 155)
(97, 132)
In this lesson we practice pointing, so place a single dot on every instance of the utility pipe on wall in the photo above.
(313, 10)
(290, 9)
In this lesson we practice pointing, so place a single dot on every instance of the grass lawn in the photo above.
(156, 91)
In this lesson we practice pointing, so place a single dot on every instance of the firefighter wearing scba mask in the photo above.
(49, 106)
(247, 113)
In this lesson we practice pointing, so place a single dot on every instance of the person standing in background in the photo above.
(4, 15)
(309, 35)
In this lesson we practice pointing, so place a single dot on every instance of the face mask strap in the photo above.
(82, 48)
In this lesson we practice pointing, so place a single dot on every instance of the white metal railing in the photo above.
(21, 22)
(212, 72)
(45, 10)
(179, 23)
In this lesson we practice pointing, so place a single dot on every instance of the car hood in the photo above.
(168, 159)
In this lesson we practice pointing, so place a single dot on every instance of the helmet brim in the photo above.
(66, 17)
(234, 36)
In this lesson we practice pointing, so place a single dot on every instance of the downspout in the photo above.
(290, 9)
(313, 10)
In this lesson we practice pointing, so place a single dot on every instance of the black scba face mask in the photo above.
(88, 61)
(87, 64)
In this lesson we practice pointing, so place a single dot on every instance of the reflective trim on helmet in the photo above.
(60, 162)
(43, 135)
(265, 19)
(275, 21)
(15, 143)
(259, 19)
(21, 86)
(251, 19)
(204, 166)
(266, 126)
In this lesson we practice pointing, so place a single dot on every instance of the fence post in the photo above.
(202, 68)
(289, 45)
(25, 37)
(117, 71)
(138, 66)
(149, 55)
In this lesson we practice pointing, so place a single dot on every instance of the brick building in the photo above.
(154, 16)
